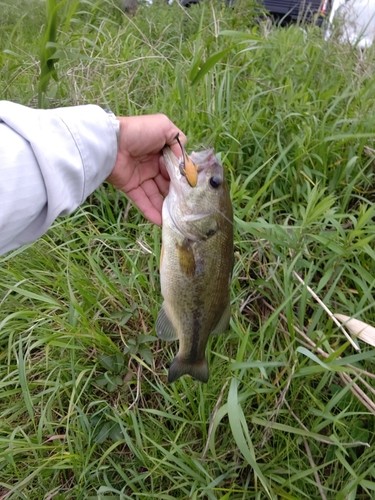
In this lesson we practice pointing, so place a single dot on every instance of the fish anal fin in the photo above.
(223, 323)
(164, 327)
(179, 366)
(186, 258)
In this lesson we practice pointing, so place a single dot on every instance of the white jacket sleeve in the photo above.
(50, 161)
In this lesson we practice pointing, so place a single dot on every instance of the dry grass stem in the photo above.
(331, 315)
(355, 389)
(316, 475)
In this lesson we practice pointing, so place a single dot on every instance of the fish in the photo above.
(196, 259)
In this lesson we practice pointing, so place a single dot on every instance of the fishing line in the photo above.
(221, 213)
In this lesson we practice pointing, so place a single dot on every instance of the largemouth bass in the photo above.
(196, 260)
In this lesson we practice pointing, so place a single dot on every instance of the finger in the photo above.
(163, 168)
(162, 183)
(147, 207)
(146, 169)
(152, 192)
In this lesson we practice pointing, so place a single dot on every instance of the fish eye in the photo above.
(216, 182)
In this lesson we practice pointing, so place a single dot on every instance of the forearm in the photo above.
(50, 161)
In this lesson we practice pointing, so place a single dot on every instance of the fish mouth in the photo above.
(187, 167)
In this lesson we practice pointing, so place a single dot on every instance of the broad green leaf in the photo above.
(209, 64)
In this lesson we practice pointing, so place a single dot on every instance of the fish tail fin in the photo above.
(198, 369)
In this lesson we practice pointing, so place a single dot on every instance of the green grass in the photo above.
(288, 413)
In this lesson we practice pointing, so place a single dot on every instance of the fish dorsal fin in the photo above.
(164, 328)
(223, 323)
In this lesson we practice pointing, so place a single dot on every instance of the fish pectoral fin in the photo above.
(223, 323)
(179, 366)
(164, 328)
(186, 258)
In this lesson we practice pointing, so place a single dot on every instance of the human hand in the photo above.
(138, 171)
